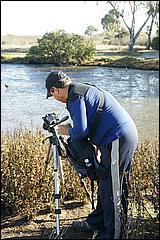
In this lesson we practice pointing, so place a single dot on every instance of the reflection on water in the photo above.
(24, 101)
(145, 112)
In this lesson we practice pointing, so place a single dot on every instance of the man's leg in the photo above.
(128, 145)
(102, 217)
(95, 218)
(116, 158)
(121, 154)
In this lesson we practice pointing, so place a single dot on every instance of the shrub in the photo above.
(144, 190)
(22, 165)
(25, 186)
(155, 43)
(61, 48)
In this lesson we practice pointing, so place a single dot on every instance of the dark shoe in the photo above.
(82, 226)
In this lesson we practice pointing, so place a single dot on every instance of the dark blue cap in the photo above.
(54, 79)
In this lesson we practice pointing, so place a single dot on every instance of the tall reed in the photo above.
(26, 187)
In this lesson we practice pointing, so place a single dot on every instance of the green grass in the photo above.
(12, 55)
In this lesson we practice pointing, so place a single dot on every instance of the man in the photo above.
(115, 137)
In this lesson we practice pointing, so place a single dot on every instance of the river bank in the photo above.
(144, 60)
(125, 62)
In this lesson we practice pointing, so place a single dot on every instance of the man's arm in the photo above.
(77, 110)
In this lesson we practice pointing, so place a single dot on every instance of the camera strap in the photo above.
(77, 90)
(97, 118)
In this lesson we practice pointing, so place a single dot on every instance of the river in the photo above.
(24, 103)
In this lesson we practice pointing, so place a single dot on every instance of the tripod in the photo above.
(50, 121)
(54, 141)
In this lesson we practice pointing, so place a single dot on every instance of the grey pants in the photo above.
(116, 157)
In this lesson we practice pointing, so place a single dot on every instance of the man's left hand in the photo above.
(64, 129)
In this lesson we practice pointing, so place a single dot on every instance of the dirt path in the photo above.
(43, 226)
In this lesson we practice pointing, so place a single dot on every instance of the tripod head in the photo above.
(51, 120)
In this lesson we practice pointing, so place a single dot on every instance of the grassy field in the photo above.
(138, 58)
(12, 55)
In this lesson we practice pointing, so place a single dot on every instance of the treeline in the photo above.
(15, 42)
(21, 43)
(107, 38)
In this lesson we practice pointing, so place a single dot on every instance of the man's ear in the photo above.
(52, 89)
(57, 90)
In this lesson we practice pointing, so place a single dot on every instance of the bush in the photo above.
(155, 43)
(144, 190)
(61, 48)
(25, 187)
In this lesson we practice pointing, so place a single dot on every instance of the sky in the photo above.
(40, 17)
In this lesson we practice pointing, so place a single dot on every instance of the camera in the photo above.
(50, 120)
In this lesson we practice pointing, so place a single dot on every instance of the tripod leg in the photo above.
(49, 153)
(61, 170)
(57, 195)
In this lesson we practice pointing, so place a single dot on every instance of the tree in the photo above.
(110, 19)
(155, 43)
(153, 8)
(132, 6)
(112, 26)
(61, 48)
(90, 30)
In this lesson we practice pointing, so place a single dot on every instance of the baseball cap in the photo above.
(55, 79)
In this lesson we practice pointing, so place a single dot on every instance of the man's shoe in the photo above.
(82, 226)
(96, 235)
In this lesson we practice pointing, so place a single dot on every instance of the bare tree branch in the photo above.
(131, 29)
(140, 29)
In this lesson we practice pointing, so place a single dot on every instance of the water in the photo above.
(24, 102)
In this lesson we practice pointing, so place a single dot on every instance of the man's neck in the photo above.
(65, 93)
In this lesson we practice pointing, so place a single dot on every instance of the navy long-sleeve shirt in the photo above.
(112, 125)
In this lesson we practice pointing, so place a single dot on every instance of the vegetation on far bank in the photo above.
(62, 49)
(114, 59)
(125, 61)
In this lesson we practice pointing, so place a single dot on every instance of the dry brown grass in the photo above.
(26, 188)
(144, 191)
(25, 185)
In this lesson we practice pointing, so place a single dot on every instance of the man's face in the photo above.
(58, 94)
